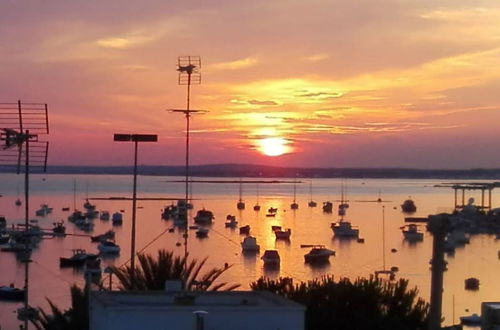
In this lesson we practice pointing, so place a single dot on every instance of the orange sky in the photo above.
(393, 83)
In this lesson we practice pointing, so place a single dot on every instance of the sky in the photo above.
(317, 83)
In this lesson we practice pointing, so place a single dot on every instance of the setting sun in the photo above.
(274, 146)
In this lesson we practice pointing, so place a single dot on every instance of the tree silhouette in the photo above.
(363, 304)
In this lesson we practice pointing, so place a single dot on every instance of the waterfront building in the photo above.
(177, 310)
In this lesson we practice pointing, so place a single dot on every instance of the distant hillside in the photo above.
(248, 170)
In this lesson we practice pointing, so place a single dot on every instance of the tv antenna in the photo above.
(189, 74)
(21, 124)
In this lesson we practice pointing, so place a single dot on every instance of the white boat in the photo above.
(204, 217)
(271, 258)
(117, 218)
(411, 233)
(283, 234)
(318, 254)
(108, 247)
(344, 229)
(249, 244)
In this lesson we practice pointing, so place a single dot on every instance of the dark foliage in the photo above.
(363, 304)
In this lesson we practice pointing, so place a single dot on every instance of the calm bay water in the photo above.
(309, 226)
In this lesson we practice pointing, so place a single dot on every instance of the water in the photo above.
(309, 226)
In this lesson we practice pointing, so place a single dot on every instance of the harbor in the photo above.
(309, 226)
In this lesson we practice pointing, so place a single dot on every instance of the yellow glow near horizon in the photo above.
(273, 146)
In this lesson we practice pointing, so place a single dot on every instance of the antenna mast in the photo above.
(21, 124)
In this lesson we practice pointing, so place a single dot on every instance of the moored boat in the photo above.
(231, 221)
(77, 259)
(249, 244)
(408, 206)
(59, 229)
(271, 258)
(104, 215)
(117, 219)
(411, 233)
(12, 293)
(318, 254)
(202, 232)
(108, 247)
(327, 207)
(344, 229)
(43, 210)
(245, 230)
(283, 234)
(204, 217)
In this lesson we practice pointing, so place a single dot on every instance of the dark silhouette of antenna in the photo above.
(20, 126)
(189, 74)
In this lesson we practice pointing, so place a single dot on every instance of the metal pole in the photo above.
(482, 199)
(134, 200)
(455, 206)
(26, 223)
(438, 226)
(187, 164)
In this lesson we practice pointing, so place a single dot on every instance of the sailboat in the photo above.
(294, 205)
(240, 205)
(344, 228)
(256, 207)
(384, 271)
(311, 202)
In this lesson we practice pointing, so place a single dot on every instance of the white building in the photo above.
(231, 310)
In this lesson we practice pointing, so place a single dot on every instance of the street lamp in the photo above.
(136, 138)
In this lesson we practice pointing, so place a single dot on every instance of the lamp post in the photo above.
(136, 138)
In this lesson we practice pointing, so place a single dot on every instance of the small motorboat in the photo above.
(65, 209)
(109, 235)
(59, 229)
(117, 219)
(168, 212)
(249, 244)
(283, 234)
(202, 232)
(204, 217)
(274, 228)
(272, 210)
(12, 293)
(87, 205)
(245, 230)
(76, 216)
(18, 202)
(318, 254)
(43, 210)
(472, 320)
(327, 207)
(77, 259)
(271, 258)
(344, 229)
(108, 247)
(104, 215)
(411, 233)
(231, 221)
(408, 206)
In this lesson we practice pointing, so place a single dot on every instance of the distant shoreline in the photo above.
(262, 171)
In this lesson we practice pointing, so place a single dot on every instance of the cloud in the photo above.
(236, 64)
(257, 102)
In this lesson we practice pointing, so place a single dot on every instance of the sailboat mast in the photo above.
(383, 237)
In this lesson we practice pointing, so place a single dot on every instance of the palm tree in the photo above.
(75, 318)
(151, 273)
